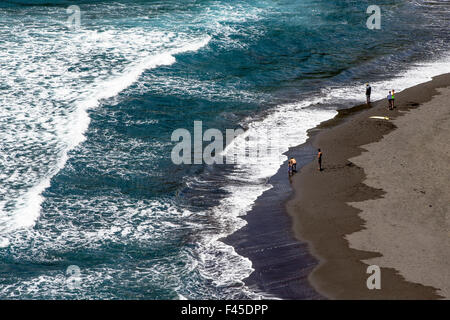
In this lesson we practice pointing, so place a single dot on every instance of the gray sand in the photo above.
(409, 225)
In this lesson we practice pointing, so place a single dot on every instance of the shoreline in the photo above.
(281, 262)
(274, 239)
(324, 225)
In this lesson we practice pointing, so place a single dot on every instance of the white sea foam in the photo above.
(51, 85)
(53, 78)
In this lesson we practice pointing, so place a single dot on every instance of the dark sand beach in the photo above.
(381, 199)
(297, 235)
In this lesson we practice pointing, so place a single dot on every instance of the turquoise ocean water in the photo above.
(87, 113)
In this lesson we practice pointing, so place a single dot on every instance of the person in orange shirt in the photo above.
(293, 164)
(319, 159)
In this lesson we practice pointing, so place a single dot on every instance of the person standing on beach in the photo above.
(389, 97)
(393, 99)
(368, 92)
(290, 167)
(319, 159)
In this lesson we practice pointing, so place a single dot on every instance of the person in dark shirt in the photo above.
(368, 92)
(389, 97)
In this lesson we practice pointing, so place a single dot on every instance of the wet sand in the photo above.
(282, 263)
(381, 199)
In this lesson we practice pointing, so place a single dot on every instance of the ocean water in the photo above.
(87, 113)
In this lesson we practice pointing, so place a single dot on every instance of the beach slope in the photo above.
(382, 198)
(409, 225)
